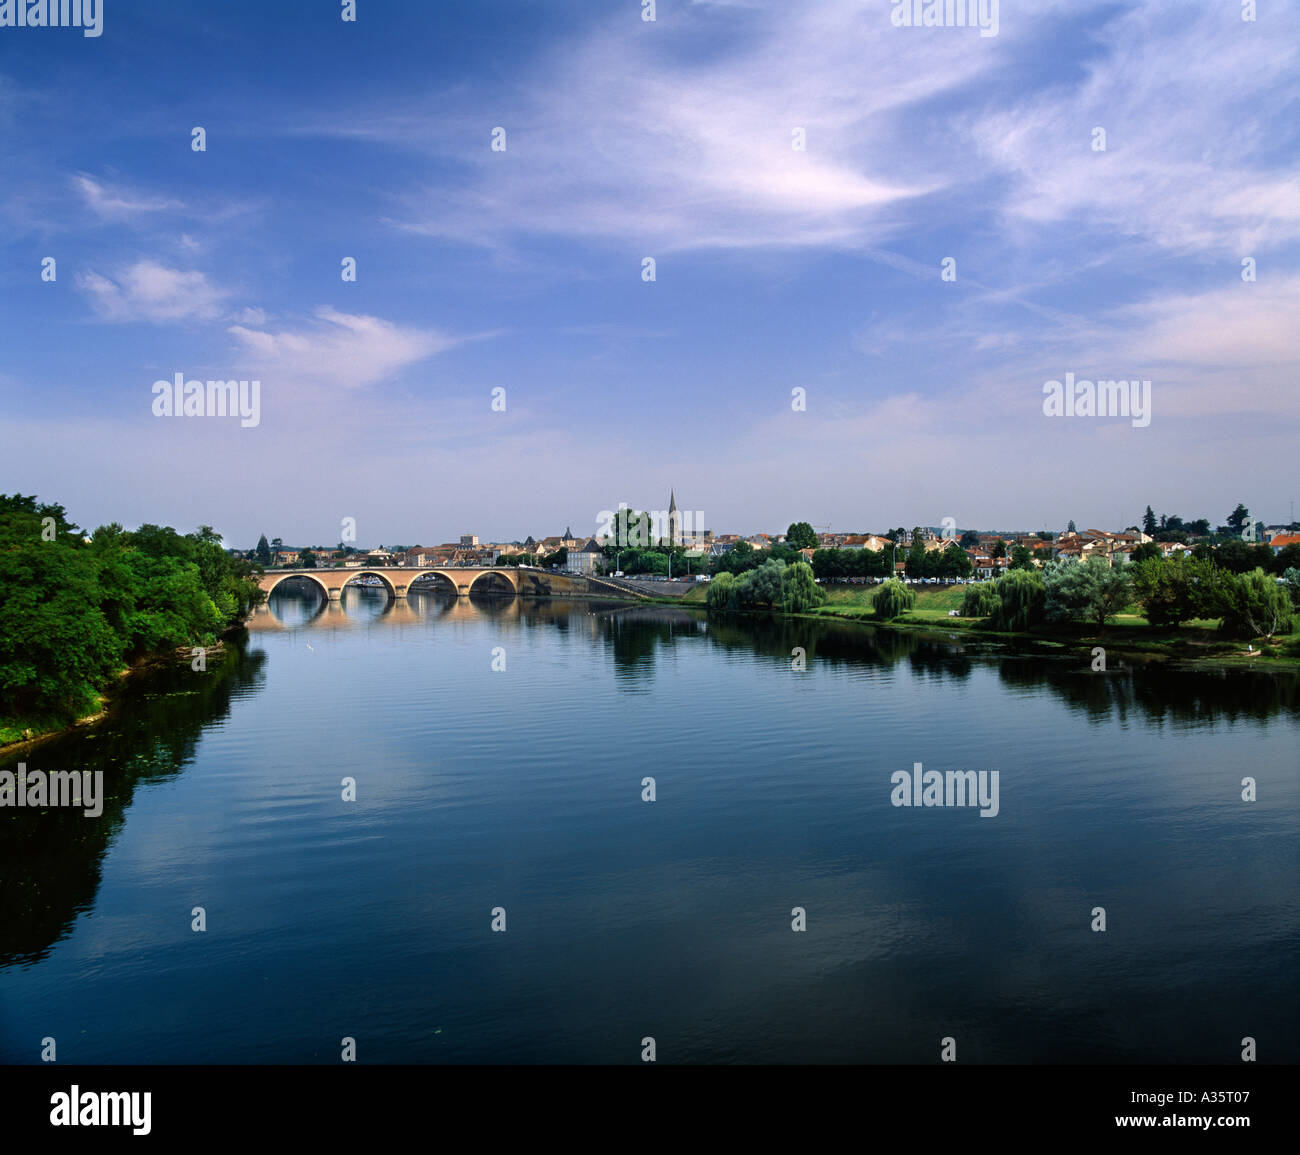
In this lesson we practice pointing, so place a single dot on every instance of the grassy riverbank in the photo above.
(1128, 633)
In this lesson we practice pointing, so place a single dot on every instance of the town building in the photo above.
(586, 559)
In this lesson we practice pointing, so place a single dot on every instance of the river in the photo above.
(498, 749)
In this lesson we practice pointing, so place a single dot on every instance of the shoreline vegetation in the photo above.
(79, 613)
(1067, 607)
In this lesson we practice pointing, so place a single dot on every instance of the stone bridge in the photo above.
(461, 580)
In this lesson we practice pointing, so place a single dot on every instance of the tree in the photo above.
(72, 611)
(57, 645)
(262, 554)
(741, 557)
(1288, 557)
(955, 561)
(801, 535)
(969, 540)
(1237, 519)
(915, 564)
(307, 559)
(1176, 589)
(761, 586)
(799, 589)
(1291, 579)
(1254, 605)
(1092, 591)
(999, 549)
(1020, 600)
(1145, 552)
(1070, 528)
(892, 600)
(1149, 521)
(722, 591)
(631, 529)
(979, 600)
(1021, 558)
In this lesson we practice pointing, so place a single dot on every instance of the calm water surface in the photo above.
(521, 788)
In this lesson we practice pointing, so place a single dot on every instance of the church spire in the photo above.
(672, 501)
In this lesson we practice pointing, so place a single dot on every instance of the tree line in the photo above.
(75, 609)
(1170, 591)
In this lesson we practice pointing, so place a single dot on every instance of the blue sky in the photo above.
(776, 268)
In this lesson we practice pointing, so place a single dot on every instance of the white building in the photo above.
(586, 560)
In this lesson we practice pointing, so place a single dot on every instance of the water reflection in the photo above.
(50, 859)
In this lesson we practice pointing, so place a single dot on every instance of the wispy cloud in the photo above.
(1181, 93)
(114, 202)
(149, 291)
(637, 134)
(339, 350)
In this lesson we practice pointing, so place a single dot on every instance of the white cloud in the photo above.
(641, 134)
(1182, 93)
(114, 202)
(149, 291)
(342, 349)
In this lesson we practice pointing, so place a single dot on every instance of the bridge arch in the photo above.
(444, 581)
(497, 572)
(324, 589)
(383, 577)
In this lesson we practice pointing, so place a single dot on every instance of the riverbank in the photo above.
(20, 734)
(1130, 635)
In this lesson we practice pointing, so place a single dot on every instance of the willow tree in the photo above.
(799, 589)
(892, 600)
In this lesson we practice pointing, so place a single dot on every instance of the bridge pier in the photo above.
(335, 594)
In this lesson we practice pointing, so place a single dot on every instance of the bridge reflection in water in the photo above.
(302, 605)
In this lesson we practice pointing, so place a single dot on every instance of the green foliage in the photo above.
(1255, 605)
(799, 588)
(722, 593)
(1237, 519)
(838, 564)
(72, 612)
(801, 535)
(1288, 557)
(761, 586)
(979, 600)
(1240, 557)
(307, 559)
(1021, 596)
(262, 554)
(1090, 591)
(1176, 589)
(57, 645)
(915, 563)
(1291, 579)
(786, 586)
(892, 600)
(1021, 558)
(738, 559)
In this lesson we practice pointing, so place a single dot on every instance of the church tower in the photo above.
(674, 520)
